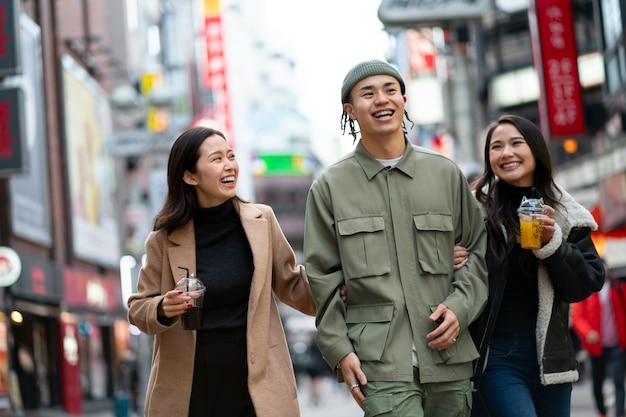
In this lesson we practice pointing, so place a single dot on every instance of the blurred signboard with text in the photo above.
(12, 147)
(556, 60)
(429, 12)
(9, 30)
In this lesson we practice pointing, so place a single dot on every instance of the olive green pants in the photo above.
(412, 399)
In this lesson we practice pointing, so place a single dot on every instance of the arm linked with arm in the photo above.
(289, 281)
(469, 285)
(323, 267)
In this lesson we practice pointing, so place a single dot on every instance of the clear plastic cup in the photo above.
(194, 288)
(530, 228)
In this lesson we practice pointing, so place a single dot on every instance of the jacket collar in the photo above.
(184, 235)
(183, 253)
(372, 166)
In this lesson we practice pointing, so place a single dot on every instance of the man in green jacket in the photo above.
(383, 220)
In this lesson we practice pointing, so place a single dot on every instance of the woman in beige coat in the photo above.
(237, 364)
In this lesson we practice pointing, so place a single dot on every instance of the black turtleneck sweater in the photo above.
(224, 264)
(518, 311)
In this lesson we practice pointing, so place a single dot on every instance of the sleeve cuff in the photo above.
(552, 246)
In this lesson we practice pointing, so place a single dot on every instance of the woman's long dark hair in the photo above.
(501, 210)
(181, 201)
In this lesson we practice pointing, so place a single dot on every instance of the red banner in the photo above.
(216, 113)
(556, 61)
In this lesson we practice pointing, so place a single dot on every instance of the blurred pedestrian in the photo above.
(527, 363)
(318, 370)
(383, 221)
(600, 321)
(129, 370)
(237, 364)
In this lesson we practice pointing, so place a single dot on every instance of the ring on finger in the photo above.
(353, 386)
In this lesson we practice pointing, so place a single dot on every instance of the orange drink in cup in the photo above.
(530, 228)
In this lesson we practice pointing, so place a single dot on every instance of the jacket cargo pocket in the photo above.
(379, 405)
(435, 242)
(368, 329)
(363, 246)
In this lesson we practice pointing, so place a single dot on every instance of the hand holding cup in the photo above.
(531, 212)
(194, 289)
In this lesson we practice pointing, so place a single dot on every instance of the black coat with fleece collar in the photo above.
(570, 270)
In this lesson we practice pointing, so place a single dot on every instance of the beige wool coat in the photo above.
(271, 380)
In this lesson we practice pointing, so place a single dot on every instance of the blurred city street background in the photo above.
(337, 402)
(94, 92)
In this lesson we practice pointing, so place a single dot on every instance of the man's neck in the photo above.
(384, 147)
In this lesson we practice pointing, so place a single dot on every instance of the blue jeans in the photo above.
(615, 359)
(510, 385)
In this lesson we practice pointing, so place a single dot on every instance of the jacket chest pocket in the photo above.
(434, 237)
(363, 246)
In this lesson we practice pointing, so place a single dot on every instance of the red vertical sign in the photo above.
(556, 61)
(12, 138)
(9, 46)
(215, 76)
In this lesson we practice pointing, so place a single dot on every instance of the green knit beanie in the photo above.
(366, 69)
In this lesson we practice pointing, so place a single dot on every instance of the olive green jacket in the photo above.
(389, 235)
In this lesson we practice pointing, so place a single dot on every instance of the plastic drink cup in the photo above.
(530, 228)
(194, 288)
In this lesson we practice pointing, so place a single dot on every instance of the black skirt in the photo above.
(220, 376)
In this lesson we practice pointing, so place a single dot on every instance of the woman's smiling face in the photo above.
(215, 176)
(510, 157)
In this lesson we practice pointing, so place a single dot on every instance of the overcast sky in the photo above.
(329, 37)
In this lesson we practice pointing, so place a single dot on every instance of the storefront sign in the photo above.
(283, 164)
(39, 281)
(9, 51)
(556, 60)
(12, 138)
(88, 290)
(429, 12)
(10, 266)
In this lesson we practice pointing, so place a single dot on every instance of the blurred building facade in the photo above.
(78, 202)
(92, 94)
(559, 63)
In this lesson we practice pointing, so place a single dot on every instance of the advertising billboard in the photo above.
(90, 165)
(30, 195)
